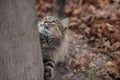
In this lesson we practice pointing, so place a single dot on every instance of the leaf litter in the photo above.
(94, 48)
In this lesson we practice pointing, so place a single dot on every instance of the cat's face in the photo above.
(51, 26)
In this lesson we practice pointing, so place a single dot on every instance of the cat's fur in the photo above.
(53, 43)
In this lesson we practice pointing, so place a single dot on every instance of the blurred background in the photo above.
(94, 49)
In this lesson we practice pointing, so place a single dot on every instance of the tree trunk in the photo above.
(20, 53)
(59, 8)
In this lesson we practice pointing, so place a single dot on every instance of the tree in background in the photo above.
(20, 53)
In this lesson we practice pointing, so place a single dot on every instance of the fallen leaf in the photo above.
(116, 45)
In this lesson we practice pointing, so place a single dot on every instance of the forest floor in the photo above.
(94, 48)
(83, 63)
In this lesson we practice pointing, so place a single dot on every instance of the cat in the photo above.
(54, 41)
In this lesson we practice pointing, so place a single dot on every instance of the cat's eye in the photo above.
(53, 22)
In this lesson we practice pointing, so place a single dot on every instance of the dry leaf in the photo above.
(116, 45)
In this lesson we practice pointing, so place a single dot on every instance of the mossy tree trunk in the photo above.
(20, 53)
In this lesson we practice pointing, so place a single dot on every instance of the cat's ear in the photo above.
(65, 22)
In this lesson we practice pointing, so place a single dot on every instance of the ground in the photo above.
(94, 46)
(81, 63)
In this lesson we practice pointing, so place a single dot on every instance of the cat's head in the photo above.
(52, 26)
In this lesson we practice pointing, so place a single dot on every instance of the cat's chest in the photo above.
(47, 42)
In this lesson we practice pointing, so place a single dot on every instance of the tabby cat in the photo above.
(53, 39)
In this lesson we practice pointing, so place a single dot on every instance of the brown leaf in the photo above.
(116, 45)
(113, 68)
(103, 3)
(87, 30)
(77, 67)
(69, 76)
(92, 9)
(76, 11)
(107, 44)
(73, 19)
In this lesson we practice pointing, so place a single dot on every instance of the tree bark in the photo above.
(59, 8)
(20, 53)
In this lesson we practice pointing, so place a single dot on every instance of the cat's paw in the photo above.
(48, 72)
